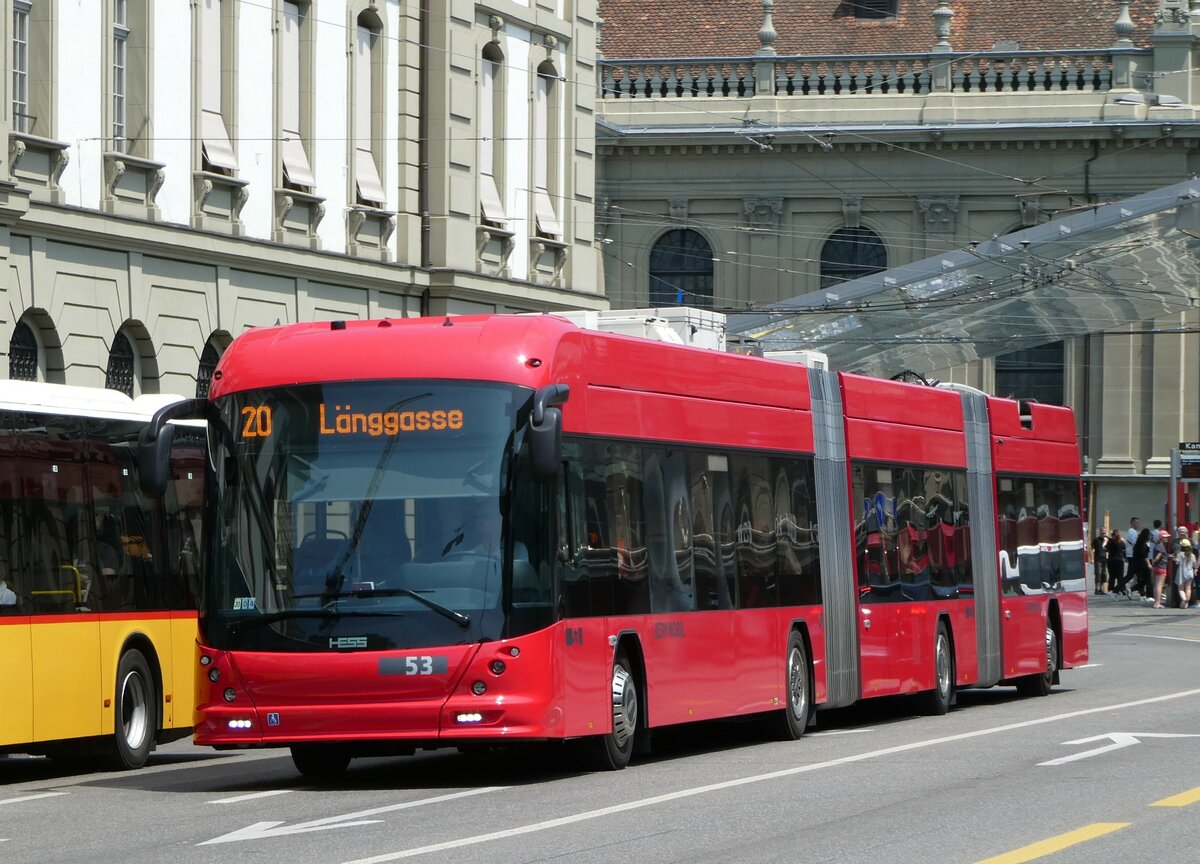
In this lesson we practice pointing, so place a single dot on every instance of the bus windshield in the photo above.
(368, 516)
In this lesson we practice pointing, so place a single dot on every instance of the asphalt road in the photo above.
(1094, 772)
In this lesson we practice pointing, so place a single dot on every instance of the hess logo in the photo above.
(341, 642)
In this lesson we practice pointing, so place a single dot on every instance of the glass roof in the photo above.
(1086, 272)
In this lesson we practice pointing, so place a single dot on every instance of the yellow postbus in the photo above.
(97, 582)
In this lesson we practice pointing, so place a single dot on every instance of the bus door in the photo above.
(1021, 572)
(65, 640)
(16, 670)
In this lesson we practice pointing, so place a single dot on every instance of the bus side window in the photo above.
(574, 593)
(51, 500)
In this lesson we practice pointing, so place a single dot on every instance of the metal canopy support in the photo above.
(1083, 273)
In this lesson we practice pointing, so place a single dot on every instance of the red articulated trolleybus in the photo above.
(443, 532)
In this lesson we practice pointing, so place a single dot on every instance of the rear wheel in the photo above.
(135, 709)
(1042, 683)
(612, 751)
(937, 701)
(320, 760)
(791, 722)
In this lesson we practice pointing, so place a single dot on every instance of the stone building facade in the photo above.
(776, 148)
(180, 171)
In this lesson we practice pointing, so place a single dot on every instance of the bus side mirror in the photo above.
(545, 431)
(154, 445)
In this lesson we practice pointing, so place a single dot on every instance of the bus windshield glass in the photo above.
(366, 515)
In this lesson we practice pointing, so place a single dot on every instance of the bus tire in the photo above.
(937, 701)
(613, 750)
(320, 760)
(791, 722)
(135, 712)
(1042, 683)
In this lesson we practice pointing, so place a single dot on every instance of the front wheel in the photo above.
(937, 701)
(1042, 683)
(613, 751)
(135, 709)
(320, 760)
(791, 722)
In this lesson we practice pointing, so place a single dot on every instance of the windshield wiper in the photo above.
(459, 618)
(283, 614)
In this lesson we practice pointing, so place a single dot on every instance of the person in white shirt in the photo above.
(1185, 574)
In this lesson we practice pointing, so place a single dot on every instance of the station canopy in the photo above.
(1087, 272)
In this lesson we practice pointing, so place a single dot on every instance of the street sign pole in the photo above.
(1173, 498)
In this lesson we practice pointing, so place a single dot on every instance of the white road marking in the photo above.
(1156, 636)
(1086, 666)
(31, 797)
(745, 781)
(250, 796)
(838, 732)
(267, 830)
(1118, 739)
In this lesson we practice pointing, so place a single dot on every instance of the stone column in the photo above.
(1171, 392)
(764, 67)
(941, 66)
(1123, 64)
(1175, 41)
(1118, 402)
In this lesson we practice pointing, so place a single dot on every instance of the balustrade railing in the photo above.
(1077, 70)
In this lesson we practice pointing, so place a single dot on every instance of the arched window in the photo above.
(681, 270)
(368, 111)
(851, 253)
(1035, 374)
(491, 135)
(23, 354)
(546, 155)
(120, 366)
(204, 372)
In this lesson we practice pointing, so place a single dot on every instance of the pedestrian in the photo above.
(1185, 572)
(1099, 565)
(1158, 565)
(1115, 559)
(1131, 537)
(1140, 565)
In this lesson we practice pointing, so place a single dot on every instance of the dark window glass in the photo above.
(962, 535)
(875, 533)
(754, 514)
(119, 376)
(204, 372)
(913, 543)
(126, 574)
(23, 354)
(1034, 374)
(182, 513)
(394, 498)
(668, 529)
(799, 564)
(851, 253)
(14, 594)
(940, 532)
(576, 535)
(681, 270)
(712, 531)
(50, 565)
(623, 502)
(673, 529)
(1041, 535)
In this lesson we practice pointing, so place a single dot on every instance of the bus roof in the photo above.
(39, 397)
